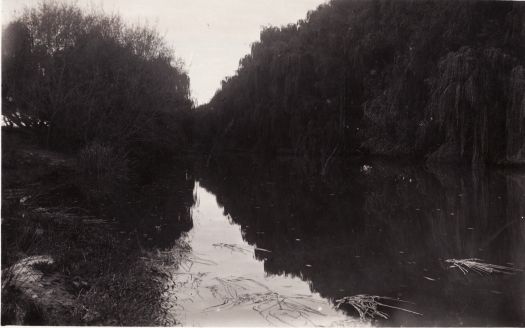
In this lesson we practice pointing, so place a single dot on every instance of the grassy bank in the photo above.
(87, 271)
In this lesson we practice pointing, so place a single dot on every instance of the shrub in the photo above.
(78, 77)
(101, 168)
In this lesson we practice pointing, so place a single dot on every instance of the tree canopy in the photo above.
(441, 80)
(78, 78)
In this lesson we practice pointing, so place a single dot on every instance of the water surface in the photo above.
(223, 283)
(273, 245)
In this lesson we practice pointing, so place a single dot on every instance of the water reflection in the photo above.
(158, 213)
(222, 283)
(384, 231)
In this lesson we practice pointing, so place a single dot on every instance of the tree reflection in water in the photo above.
(386, 231)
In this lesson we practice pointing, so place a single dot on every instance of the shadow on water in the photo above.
(385, 230)
(158, 213)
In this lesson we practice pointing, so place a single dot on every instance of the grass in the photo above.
(480, 267)
(94, 275)
(63, 262)
(179, 255)
(101, 169)
(368, 305)
(23, 273)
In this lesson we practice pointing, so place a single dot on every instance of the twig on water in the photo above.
(480, 267)
(367, 305)
(233, 247)
(273, 307)
(240, 249)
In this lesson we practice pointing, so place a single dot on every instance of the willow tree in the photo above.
(436, 80)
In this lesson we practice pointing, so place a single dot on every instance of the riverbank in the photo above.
(65, 258)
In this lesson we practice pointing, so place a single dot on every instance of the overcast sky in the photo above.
(209, 35)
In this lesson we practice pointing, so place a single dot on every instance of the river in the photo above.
(271, 244)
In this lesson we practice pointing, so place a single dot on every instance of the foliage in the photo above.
(79, 77)
(433, 79)
(101, 166)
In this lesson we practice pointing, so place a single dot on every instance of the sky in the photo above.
(210, 36)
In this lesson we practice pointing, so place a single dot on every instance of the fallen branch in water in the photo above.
(181, 256)
(233, 247)
(480, 267)
(367, 305)
(238, 248)
(275, 308)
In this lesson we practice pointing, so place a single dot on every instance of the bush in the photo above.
(102, 168)
(77, 77)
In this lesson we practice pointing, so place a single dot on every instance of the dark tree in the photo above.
(437, 80)
(80, 78)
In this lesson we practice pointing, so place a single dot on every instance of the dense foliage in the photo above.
(443, 80)
(79, 78)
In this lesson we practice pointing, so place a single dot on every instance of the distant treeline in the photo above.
(435, 80)
(86, 81)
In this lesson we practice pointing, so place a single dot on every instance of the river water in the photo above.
(223, 282)
(270, 245)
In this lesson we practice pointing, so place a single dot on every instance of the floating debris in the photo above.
(24, 199)
(233, 247)
(63, 214)
(480, 267)
(428, 278)
(239, 248)
(275, 308)
(181, 255)
(367, 305)
(94, 221)
(366, 169)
